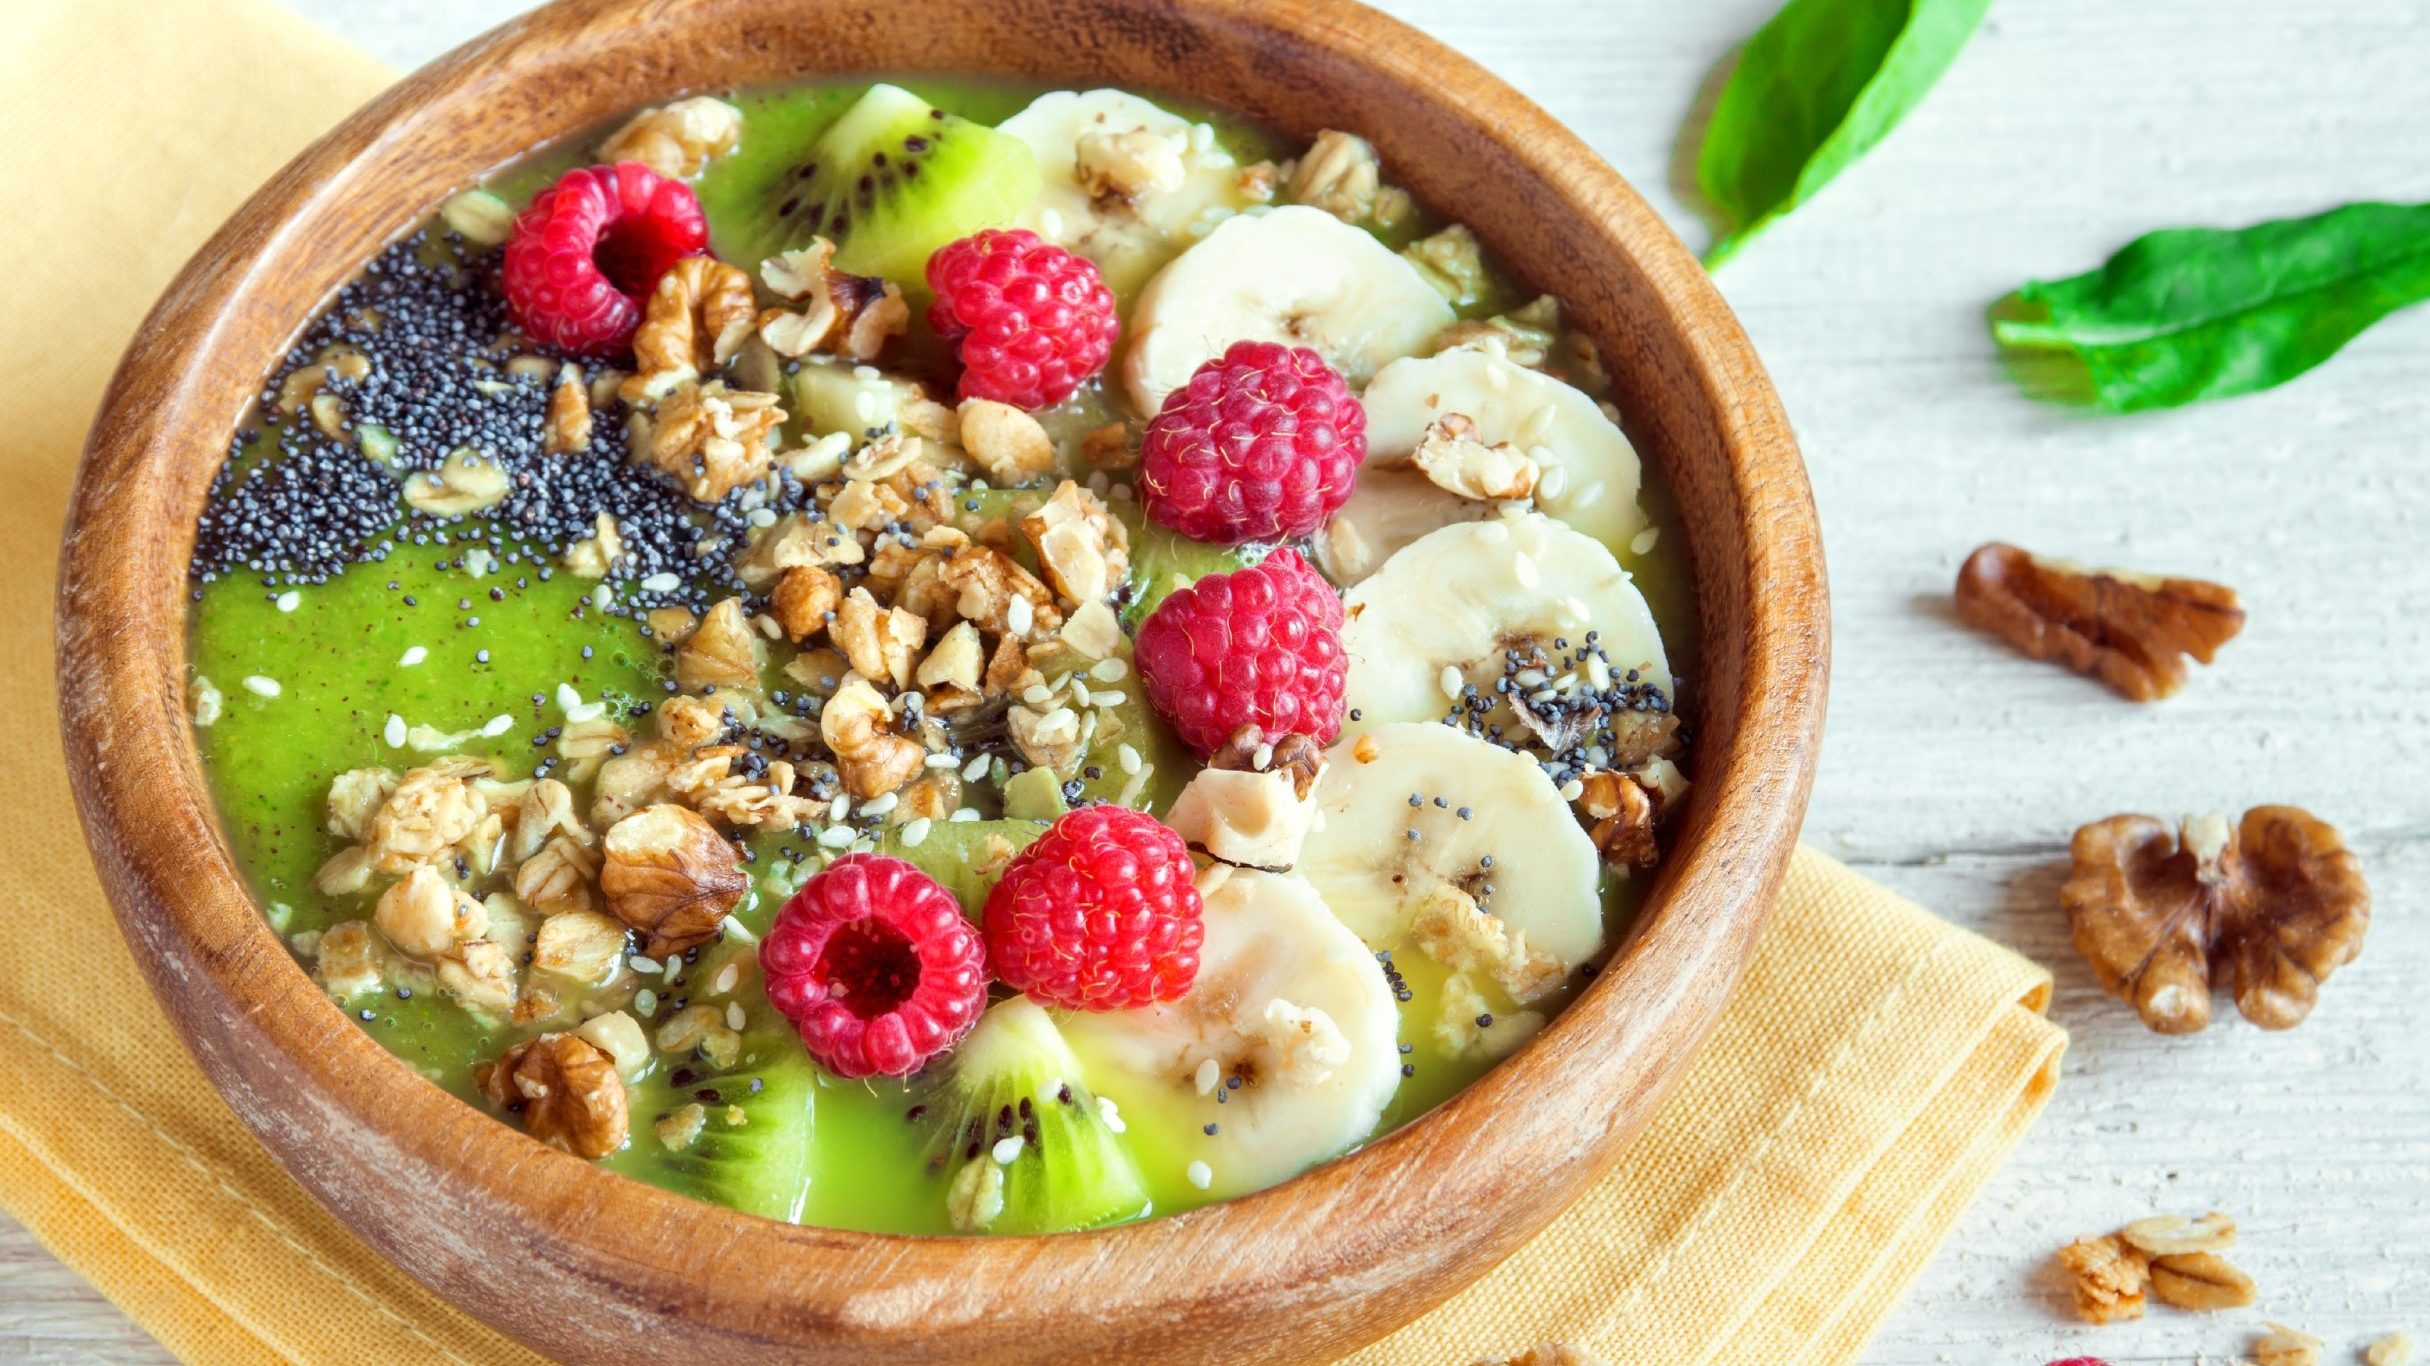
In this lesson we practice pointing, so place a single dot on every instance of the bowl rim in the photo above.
(255, 1020)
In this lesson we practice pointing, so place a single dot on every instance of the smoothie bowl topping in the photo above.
(973, 661)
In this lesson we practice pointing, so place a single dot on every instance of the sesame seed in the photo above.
(497, 726)
(290, 600)
(261, 686)
(1200, 1174)
(1005, 1149)
(414, 654)
(394, 731)
(914, 831)
(1127, 757)
(1110, 670)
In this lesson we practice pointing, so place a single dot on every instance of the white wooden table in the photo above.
(1954, 770)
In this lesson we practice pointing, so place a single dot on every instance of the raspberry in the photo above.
(1030, 320)
(876, 966)
(1098, 913)
(1260, 445)
(2081, 1361)
(1259, 646)
(585, 255)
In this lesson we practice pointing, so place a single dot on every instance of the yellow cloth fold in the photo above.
(1875, 1067)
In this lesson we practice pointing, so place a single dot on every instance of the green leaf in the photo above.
(1814, 90)
(2195, 313)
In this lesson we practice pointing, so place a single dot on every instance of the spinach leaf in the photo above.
(1814, 89)
(2194, 313)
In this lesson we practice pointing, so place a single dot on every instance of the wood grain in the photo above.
(588, 1266)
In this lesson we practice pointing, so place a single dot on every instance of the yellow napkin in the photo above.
(1875, 1067)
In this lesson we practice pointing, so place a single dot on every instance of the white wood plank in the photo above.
(1955, 771)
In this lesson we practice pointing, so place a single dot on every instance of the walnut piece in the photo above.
(677, 140)
(852, 316)
(1338, 173)
(1454, 931)
(2284, 1346)
(567, 1090)
(559, 878)
(999, 595)
(697, 318)
(466, 482)
(427, 916)
(2108, 1276)
(723, 651)
(2130, 631)
(670, 875)
(432, 809)
(350, 959)
(713, 440)
(568, 427)
(594, 555)
(804, 597)
(2272, 907)
(858, 727)
(2395, 1349)
(1453, 262)
(2200, 1281)
(1119, 168)
(580, 946)
(1456, 460)
(882, 643)
(1623, 813)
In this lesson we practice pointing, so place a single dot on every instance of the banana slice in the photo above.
(1516, 838)
(1124, 180)
(1591, 472)
(1445, 607)
(1293, 274)
(1287, 1000)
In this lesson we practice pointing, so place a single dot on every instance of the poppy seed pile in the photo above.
(296, 504)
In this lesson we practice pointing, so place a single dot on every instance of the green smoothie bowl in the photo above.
(1017, 682)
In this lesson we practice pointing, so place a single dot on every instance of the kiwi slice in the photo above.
(752, 1152)
(893, 179)
(1017, 1144)
(952, 851)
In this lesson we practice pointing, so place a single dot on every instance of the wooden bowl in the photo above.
(583, 1264)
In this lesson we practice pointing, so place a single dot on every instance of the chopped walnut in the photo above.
(1086, 553)
(432, 810)
(758, 795)
(852, 316)
(2200, 1281)
(620, 1037)
(865, 505)
(1338, 173)
(955, 663)
(999, 595)
(925, 591)
(1451, 261)
(1006, 667)
(701, 1027)
(568, 427)
(426, 915)
(1109, 447)
(559, 877)
(567, 1090)
(1093, 630)
(1246, 816)
(724, 652)
(934, 795)
(631, 781)
(1008, 443)
(697, 318)
(1623, 813)
(2275, 904)
(976, 1196)
(347, 872)
(680, 1127)
(2168, 1235)
(803, 599)
(1526, 336)
(713, 440)
(1048, 738)
(2395, 1349)
(690, 722)
(2108, 1277)
(1454, 931)
(797, 540)
(1120, 168)
(480, 975)
(594, 555)
(355, 796)
(350, 960)
(466, 482)
(858, 727)
(677, 140)
(1298, 1046)
(880, 642)
(586, 745)
(2284, 1346)
(1456, 461)
(670, 875)
(1466, 1026)
(2130, 631)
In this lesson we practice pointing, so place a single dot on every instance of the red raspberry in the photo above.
(1260, 445)
(1259, 646)
(876, 966)
(1031, 320)
(2081, 1361)
(1099, 913)
(585, 255)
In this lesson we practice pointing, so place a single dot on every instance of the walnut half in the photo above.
(567, 1091)
(2272, 905)
(2130, 631)
(669, 874)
